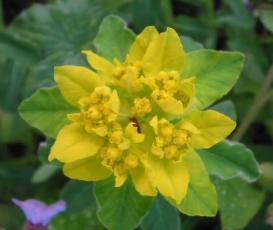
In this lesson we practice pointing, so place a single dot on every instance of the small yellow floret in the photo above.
(142, 106)
(98, 110)
(171, 152)
(116, 137)
(169, 139)
(180, 137)
(115, 154)
(131, 161)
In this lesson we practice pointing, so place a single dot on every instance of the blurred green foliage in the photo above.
(43, 36)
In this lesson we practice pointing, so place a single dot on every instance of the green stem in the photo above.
(261, 98)
(210, 11)
(167, 10)
(1, 15)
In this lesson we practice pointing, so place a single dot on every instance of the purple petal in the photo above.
(39, 213)
(53, 210)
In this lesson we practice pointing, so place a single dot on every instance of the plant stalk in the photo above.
(261, 98)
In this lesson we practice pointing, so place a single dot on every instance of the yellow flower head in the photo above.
(136, 118)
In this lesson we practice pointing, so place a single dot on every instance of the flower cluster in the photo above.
(136, 118)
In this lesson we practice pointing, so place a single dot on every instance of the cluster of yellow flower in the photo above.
(135, 118)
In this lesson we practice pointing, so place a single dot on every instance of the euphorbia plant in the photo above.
(137, 114)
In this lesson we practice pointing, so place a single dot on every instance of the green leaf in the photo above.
(227, 108)
(201, 198)
(13, 77)
(78, 195)
(59, 31)
(114, 39)
(44, 172)
(46, 110)
(120, 208)
(17, 49)
(238, 202)
(162, 216)
(267, 19)
(227, 160)
(216, 72)
(85, 220)
(190, 45)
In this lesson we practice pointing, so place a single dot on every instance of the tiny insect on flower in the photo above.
(136, 118)
(38, 214)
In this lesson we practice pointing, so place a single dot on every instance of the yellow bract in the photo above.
(136, 118)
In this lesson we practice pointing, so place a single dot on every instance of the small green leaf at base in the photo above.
(161, 217)
(120, 208)
(46, 110)
(78, 195)
(227, 160)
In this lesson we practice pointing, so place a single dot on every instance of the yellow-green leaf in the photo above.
(216, 73)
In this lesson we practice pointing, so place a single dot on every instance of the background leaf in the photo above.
(267, 18)
(44, 172)
(238, 202)
(57, 32)
(17, 49)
